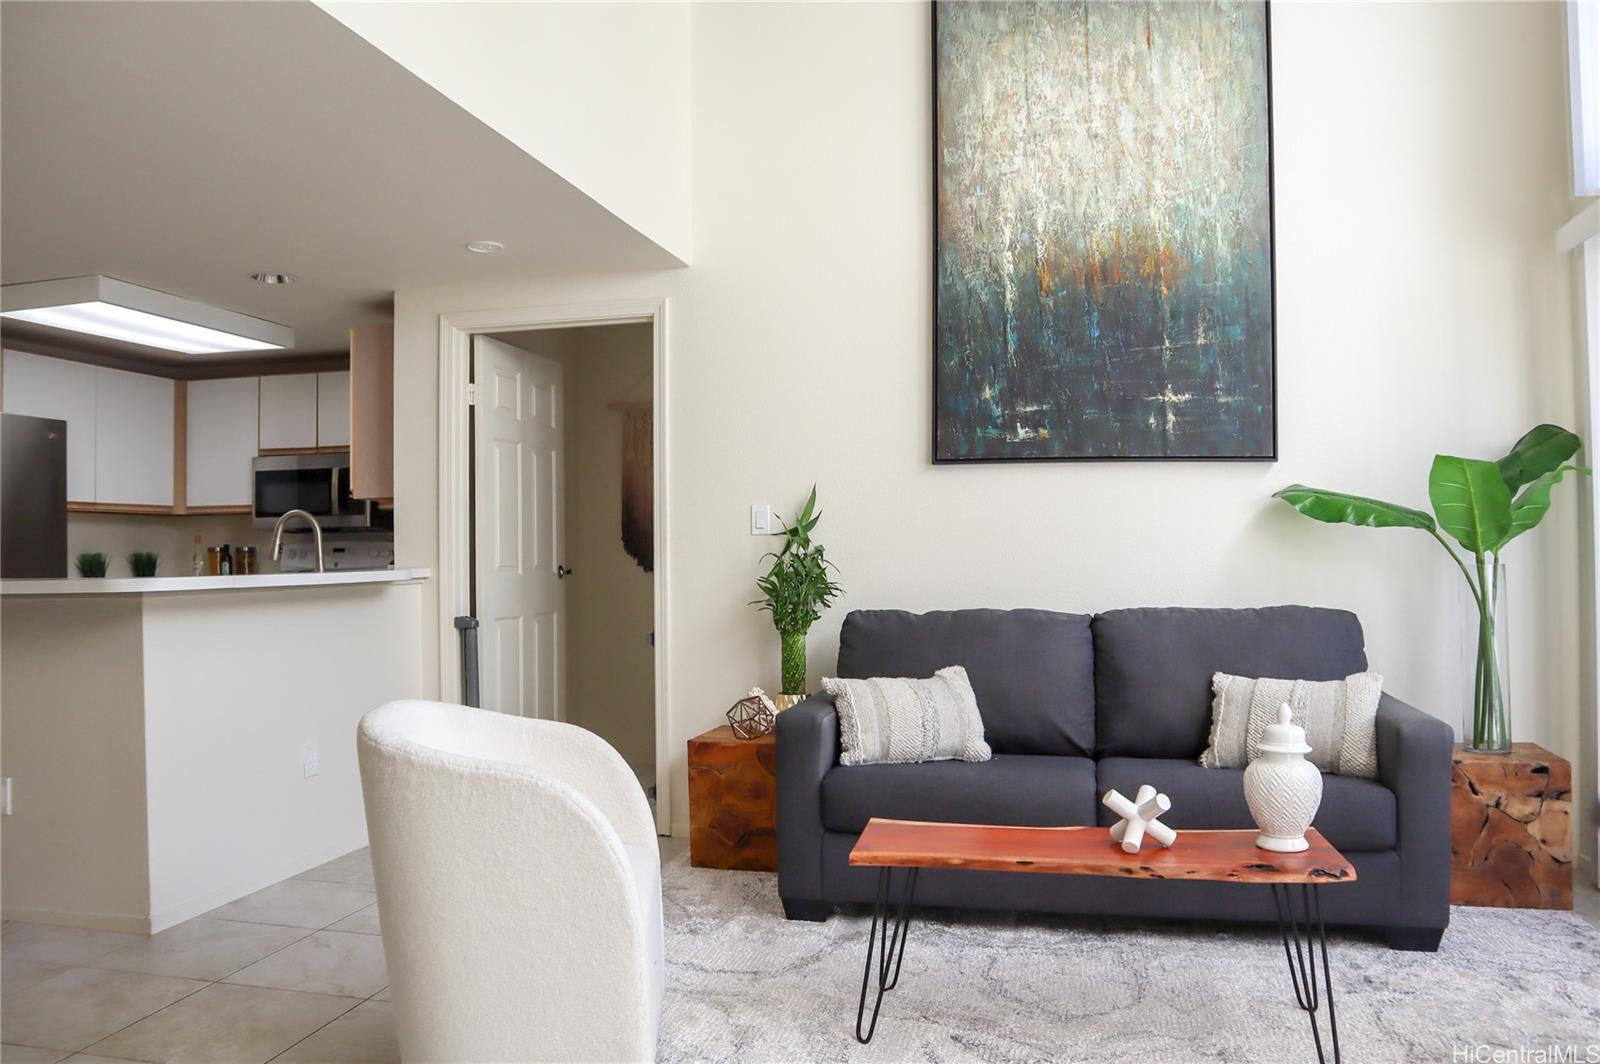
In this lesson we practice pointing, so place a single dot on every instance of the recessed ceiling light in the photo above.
(117, 310)
(486, 247)
(274, 278)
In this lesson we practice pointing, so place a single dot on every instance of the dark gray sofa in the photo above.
(1074, 705)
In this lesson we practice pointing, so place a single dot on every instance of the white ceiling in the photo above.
(183, 145)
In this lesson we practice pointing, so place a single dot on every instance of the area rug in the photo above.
(745, 984)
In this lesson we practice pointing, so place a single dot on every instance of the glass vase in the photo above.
(1488, 725)
(794, 662)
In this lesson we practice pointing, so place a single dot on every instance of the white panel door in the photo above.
(333, 409)
(517, 523)
(289, 411)
(221, 440)
(133, 445)
(56, 388)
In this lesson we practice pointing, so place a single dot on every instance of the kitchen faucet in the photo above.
(277, 535)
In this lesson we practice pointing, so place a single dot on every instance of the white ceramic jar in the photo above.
(1282, 788)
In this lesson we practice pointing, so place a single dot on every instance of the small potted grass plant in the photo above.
(143, 562)
(795, 590)
(91, 564)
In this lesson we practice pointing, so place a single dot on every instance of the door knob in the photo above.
(562, 572)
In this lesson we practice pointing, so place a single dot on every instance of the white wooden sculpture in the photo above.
(1139, 818)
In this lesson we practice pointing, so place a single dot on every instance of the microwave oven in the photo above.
(319, 484)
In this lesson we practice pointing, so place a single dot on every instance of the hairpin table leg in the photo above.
(890, 948)
(1300, 948)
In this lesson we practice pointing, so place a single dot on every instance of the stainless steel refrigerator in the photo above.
(33, 497)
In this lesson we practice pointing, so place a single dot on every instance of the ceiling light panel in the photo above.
(116, 310)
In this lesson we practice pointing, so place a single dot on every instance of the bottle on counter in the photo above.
(214, 561)
(244, 561)
(199, 557)
(226, 560)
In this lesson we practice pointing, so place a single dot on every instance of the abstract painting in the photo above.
(1103, 275)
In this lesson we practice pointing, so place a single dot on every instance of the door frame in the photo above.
(455, 575)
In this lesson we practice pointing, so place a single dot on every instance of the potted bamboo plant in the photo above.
(795, 590)
(1483, 505)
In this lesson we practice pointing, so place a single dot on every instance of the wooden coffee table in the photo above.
(1211, 856)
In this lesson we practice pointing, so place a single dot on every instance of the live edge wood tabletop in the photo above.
(733, 801)
(1219, 856)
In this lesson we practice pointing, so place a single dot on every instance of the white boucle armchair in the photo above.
(519, 887)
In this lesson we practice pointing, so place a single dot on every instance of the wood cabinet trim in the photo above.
(303, 450)
(372, 411)
(180, 446)
(117, 508)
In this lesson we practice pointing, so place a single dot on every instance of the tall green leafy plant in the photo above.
(1483, 506)
(796, 589)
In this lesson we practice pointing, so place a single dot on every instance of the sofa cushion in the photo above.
(1032, 670)
(1023, 789)
(1153, 667)
(1356, 814)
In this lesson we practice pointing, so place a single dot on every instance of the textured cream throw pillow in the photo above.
(1339, 717)
(895, 721)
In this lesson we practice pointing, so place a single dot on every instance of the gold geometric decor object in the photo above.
(752, 716)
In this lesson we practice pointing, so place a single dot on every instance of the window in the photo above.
(1583, 74)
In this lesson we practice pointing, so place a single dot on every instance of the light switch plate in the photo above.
(760, 520)
(313, 760)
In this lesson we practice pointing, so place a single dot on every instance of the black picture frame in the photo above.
(1272, 251)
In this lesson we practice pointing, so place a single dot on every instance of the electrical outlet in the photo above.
(312, 760)
(5, 796)
(760, 520)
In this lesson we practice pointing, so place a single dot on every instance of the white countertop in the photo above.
(165, 584)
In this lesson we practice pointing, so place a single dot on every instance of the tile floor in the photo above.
(292, 973)
(1585, 898)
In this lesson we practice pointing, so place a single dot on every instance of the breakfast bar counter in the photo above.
(152, 585)
(175, 743)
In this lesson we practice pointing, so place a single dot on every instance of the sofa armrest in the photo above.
(808, 746)
(1414, 752)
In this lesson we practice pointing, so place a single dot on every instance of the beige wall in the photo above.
(610, 599)
(600, 93)
(1420, 173)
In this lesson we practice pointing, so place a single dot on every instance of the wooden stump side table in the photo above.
(1510, 829)
(733, 801)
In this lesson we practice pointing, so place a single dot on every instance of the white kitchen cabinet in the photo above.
(333, 409)
(222, 439)
(289, 411)
(133, 451)
(55, 388)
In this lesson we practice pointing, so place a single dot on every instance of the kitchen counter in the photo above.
(166, 584)
(171, 751)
